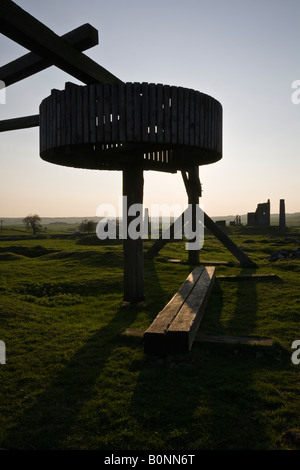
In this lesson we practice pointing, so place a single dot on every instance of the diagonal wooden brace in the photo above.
(23, 28)
(81, 38)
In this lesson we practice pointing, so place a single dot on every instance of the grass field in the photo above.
(74, 380)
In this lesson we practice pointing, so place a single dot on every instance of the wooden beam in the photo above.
(81, 38)
(175, 327)
(19, 123)
(23, 28)
(193, 189)
(167, 235)
(133, 186)
(227, 242)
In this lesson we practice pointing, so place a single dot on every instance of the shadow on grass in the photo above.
(49, 421)
(208, 399)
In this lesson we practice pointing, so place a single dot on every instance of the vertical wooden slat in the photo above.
(211, 111)
(159, 113)
(202, 118)
(58, 121)
(107, 112)
(79, 117)
(99, 113)
(167, 114)
(180, 116)
(114, 112)
(92, 113)
(220, 126)
(42, 126)
(48, 127)
(137, 112)
(206, 121)
(53, 118)
(197, 118)
(174, 100)
(186, 114)
(129, 111)
(152, 112)
(86, 114)
(63, 118)
(122, 112)
(192, 117)
(73, 115)
(68, 115)
(145, 112)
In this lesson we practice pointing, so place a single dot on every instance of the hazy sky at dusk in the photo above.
(243, 53)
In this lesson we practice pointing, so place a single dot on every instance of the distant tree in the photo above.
(33, 221)
(87, 226)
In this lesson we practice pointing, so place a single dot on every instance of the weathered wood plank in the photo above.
(115, 113)
(107, 112)
(174, 133)
(152, 112)
(180, 115)
(137, 112)
(167, 114)
(155, 335)
(129, 112)
(19, 123)
(81, 38)
(99, 110)
(86, 116)
(159, 113)
(182, 331)
(145, 112)
(122, 113)
(92, 113)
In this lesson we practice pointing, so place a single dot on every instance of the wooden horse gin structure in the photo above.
(107, 124)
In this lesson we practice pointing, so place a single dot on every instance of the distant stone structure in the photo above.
(236, 221)
(261, 217)
(282, 223)
(221, 223)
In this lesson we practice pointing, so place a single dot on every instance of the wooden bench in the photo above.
(175, 327)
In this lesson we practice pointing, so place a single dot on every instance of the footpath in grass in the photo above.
(74, 380)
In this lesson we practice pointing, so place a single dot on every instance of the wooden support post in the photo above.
(193, 188)
(133, 185)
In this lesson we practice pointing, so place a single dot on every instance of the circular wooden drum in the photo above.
(113, 126)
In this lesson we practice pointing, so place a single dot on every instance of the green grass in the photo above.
(73, 380)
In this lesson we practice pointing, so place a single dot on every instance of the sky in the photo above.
(244, 53)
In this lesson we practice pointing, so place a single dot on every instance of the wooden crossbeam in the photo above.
(23, 28)
(19, 123)
(82, 38)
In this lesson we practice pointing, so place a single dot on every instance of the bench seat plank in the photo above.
(175, 327)
(183, 329)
